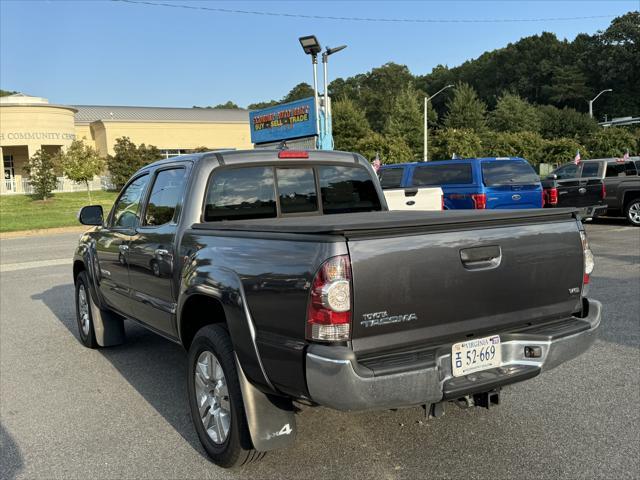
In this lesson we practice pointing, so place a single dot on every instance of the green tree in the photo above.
(406, 120)
(128, 159)
(513, 114)
(562, 150)
(228, 104)
(465, 110)
(6, 93)
(349, 125)
(566, 122)
(41, 169)
(389, 149)
(611, 142)
(300, 91)
(80, 163)
(462, 143)
(527, 145)
(567, 86)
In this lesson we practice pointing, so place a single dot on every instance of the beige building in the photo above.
(29, 123)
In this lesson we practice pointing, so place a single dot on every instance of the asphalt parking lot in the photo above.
(121, 412)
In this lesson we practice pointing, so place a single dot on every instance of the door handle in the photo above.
(481, 258)
(123, 248)
(161, 252)
(411, 203)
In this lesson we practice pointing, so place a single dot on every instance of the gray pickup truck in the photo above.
(287, 280)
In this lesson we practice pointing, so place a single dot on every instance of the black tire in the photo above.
(87, 333)
(236, 449)
(632, 212)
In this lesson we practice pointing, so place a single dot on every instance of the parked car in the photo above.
(415, 198)
(576, 185)
(286, 279)
(471, 183)
(612, 184)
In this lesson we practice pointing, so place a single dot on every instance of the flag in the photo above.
(376, 163)
(625, 157)
(576, 160)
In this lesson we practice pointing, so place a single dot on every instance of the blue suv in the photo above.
(494, 182)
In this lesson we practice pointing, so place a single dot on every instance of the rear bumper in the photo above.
(335, 379)
(592, 211)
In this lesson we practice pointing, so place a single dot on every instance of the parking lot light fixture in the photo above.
(426, 121)
(312, 47)
(595, 98)
(325, 58)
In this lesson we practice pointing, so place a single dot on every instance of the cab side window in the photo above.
(165, 196)
(126, 211)
(615, 169)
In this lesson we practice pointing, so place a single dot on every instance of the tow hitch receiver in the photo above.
(484, 399)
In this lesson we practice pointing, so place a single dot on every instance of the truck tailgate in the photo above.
(449, 283)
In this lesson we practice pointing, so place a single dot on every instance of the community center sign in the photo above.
(282, 122)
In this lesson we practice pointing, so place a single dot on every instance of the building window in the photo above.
(8, 167)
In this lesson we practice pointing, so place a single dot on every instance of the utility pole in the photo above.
(426, 122)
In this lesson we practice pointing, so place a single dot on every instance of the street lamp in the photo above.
(426, 122)
(312, 47)
(325, 57)
(595, 98)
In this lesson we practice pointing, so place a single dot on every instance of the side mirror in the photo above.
(91, 215)
(552, 176)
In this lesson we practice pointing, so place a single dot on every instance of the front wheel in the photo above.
(632, 212)
(215, 399)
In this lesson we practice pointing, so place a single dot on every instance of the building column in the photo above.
(3, 185)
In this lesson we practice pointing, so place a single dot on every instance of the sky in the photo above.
(116, 53)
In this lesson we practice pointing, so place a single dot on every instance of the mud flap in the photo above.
(271, 419)
(109, 328)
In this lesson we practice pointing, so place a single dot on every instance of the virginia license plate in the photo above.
(475, 355)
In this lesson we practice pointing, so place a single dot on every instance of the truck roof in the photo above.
(456, 161)
(262, 155)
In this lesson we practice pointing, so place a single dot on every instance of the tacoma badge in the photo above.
(382, 318)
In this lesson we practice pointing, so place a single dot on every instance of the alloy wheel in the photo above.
(83, 310)
(634, 213)
(212, 397)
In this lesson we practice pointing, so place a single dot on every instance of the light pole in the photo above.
(312, 47)
(595, 98)
(426, 122)
(325, 58)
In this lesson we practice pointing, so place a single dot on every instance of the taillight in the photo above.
(588, 263)
(479, 201)
(441, 202)
(329, 311)
(603, 191)
(552, 195)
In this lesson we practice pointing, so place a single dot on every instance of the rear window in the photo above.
(297, 190)
(391, 177)
(621, 169)
(250, 192)
(434, 174)
(241, 193)
(347, 189)
(508, 173)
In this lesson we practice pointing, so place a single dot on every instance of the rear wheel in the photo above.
(215, 399)
(84, 315)
(632, 212)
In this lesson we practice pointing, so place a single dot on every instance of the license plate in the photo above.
(475, 355)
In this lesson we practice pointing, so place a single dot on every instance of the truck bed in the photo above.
(362, 223)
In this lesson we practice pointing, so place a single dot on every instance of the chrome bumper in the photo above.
(335, 379)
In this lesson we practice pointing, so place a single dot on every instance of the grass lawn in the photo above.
(21, 212)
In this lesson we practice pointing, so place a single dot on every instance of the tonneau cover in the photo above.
(376, 221)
